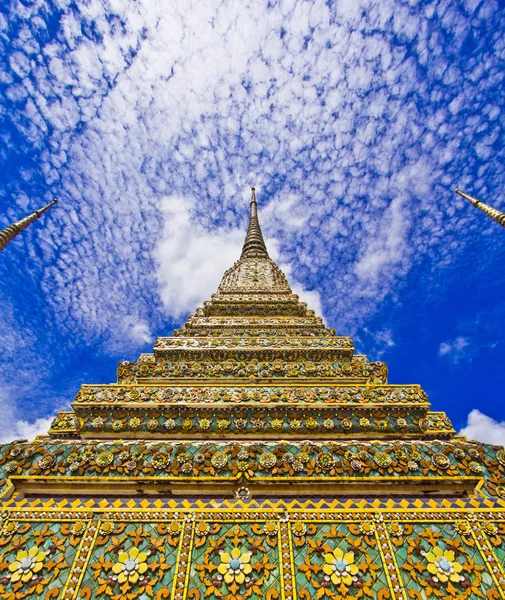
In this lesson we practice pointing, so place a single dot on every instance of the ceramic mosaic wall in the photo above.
(241, 553)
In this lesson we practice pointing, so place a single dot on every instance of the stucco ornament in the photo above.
(235, 566)
(340, 567)
(130, 566)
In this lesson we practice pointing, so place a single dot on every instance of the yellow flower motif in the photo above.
(27, 564)
(463, 527)
(442, 565)
(235, 566)
(340, 567)
(130, 565)
(490, 528)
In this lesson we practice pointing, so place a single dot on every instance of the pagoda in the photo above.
(252, 455)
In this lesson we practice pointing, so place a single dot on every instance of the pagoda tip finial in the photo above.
(495, 214)
(7, 235)
(42, 210)
(254, 245)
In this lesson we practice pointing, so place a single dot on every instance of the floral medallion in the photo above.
(326, 461)
(27, 564)
(130, 565)
(475, 467)
(219, 460)
(382, 459)
(104, 459)
(106, 527)
(340, 567)
(78, 528)
(11, 466)
(174, 528)
(202, 529)
(243, 493)
(356, 464)
(415, 455)
(490, 528)
(396, 529)
(299, 529)
(462, 527)
(152, 424)
(367, 528)
(303, 457)
(160, 460)
(276, 424)
(267, 460)
(271, 528)
(459, 453)
(9, 528)
(234, 566)
(442, 566)
(500, 456)
(134, 422)
(183, 457)
(441, 461)
(97, 423)
(47, 461)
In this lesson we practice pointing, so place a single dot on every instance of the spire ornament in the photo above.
(7, 235)
(254, 244)
(495, 214)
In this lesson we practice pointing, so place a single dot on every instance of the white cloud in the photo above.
(12, 426)
(484, 429)
(456, 350)
(191, 259)
(24, 430)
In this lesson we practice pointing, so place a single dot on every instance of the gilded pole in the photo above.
(8, 234)
(495, 214)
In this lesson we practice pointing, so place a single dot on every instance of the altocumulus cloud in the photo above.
(150, 119)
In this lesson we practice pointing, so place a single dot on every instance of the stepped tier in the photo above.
(252, 455)
(164, 345)
(152, 369)
(414, 467)
(133, 420)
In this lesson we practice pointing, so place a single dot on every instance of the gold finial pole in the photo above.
(496, 215)
(7, 235)
(254, 244)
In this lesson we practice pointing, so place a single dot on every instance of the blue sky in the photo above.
(150, 122)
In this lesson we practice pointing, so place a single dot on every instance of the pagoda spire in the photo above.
(7, 235)
(496, 215)
(254, 244)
